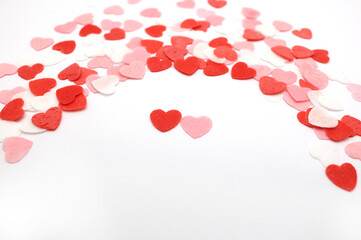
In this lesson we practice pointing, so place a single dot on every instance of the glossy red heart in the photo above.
(65, 47)
(301, 52)
(215, 69)
(304, 33)
(89, 29)
(41, 86)
(156, 30)
(252, 35)
(320, 55)
(270, 86)
(241, 71)
(30, 72)
(165, 121)
(78, 103)
(115, 34)
(13, 110)
(341, 132)
(156, 64)
(217, 3)
(49, 120)
(73, 72)
(283, 52)
(152, 46)
(344, 176)
(187, 66)
(66, 95)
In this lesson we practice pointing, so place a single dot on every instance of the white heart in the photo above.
(198, 50)
(319, 117)
(106, 85)
(8, 129)
(29, 59)
(267, 29)
(324, 151)
(313, 95)
(116, 52)
(335, 73)
(209, 53)
(92, 39)
(331, 101)
(249, 57)
(94, 50)
(27, 126)
(274, 59)
(28, 97)
(43, 103)
(53, 57)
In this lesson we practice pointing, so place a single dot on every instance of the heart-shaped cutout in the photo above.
(344, 176)
(241, 71)
(196, 127)
(324, 151)
(13, 110)
(165, 121)
(41, 86)
(353, 150)
(105, 85)
(39, 43)
(49, 120)
(16, 148)
(135, 70)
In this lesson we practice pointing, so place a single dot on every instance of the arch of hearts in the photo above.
(123, 59)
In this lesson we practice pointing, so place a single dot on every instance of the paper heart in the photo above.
(13, 110)
(16, 148)
(272, 42)
(187, 66)
(283, 52)
(115, 34)
(326, 152)
(41, 86)
(135, 70)
(89, 29)
(8, 129)
(339, 133)
(344, 176)
(115, 10)
(215, 69)
(67, 94)
(29, 72)
(151, 13)
(282, 26)
(66, 28)
(155, 30)
(196, 127)
(252, 35)
(250, 13)
(331, 101)
(49, 120)
(105, 85)
(109, 24)
(304, 33)
(6, 95)
(355, 89)
(320, 55)
(320, 118)
(72, 72)
(84, 19)
(241, 71)
(203, 13)
(43, 103)
(316, 78)
(353, 150)
(287, 77)
(139, 54)
(132, 25)
(156, 64)
(300, 106)
(100, 62)
(217, 3)
(353, 123)
(165, 121)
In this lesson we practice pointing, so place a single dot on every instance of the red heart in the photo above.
(174, 53)
(13, 110)
(215, 69)
(220, 41)
(181, 41)
(303, 117)
(344, 176)
(152, 46)
(252, 35)
(156, 64)
(241, 71)
(189, 23)
(304, 33)
(283, 52)
(65, 47)
(85, 72)
(302, 52)
(156, 30)
(165, 121)
(78, 103)
(226, 52)
(115, 34)
(353, 123)
(202, 26)
(339, 133)
(306, 84)
(321, 56)
(89, 29)
(41, 86)
(49, 120)
(66, 95)
(217, 3)
(73, 72)
(27, 72)
(270, 86)
(187, 66)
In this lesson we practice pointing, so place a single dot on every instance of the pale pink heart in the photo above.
(203, 13)
(7, 69)
(321, 133)
(133, 1)
(66, 28)
(319, 117)
(134, 42)
(306, 61)
(100, 62)
(151, 13)
(243, 45)
(196, 127)
(353, 150)
(135, 70)
(16, 148)
(85, 92)
(39, 43)
(106, 85)
(7, 95)
(250, 24)
(215, 20)
(84, 19)
(139, 54)
(186, 4)
(282, 26)
(109, 24)
(89, 81)
(131, 25)
(316, 78)
(272, 42)
(298, 94)
(115, 10)
(355, 90)
(227, 62)
(250, 13)
(177, 28)
(300, 106)
(261, 71)
(287, 77)
(114, 70)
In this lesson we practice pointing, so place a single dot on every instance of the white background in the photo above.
(106, 173)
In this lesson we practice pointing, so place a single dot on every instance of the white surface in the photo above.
(106, 173)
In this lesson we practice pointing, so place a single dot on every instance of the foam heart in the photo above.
(331, 101)
(282, 26)
(186, 4)
(16, 148)
(320, 55)
(355, 89)
(320, 118)
(250, 13)
(165, 121)
(301, 52)
(6, 95)
(41, 86)
(115, 10)
(299, 94)
(100, 62)
(79, 103)
(13, 110)
(105, 85)
(49, 120)
(187, 66)
(135, 70)
(287, 77)
(29, 72)
(196, 127)
(66, 28)
(115, 34)
(344, 176)
(270, 86)
(43, 103)
(339, 133)
(304, 33)
(316, 78)
(353, 150)
(215, 69)
(241, 71)
(8, 129)
(109, 24)
(151, 13)
(152, 46)
(132, 25)
(300, 106)
(324, 151)
(84, 19)
(65, 47)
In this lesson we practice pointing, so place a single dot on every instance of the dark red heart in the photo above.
(41, 86)
(215, 69)
(89, 29)
(156, 64)
(165, 121)
(65, 47)
(339, 133)
(187, 66)
(73, 72)
(49, 120)
(283, 52)
(304, 33)
(344, 176)
(27, 72)
(271, 86)
(241, 71)
(115, 34)
(13, 110)
(156, 30)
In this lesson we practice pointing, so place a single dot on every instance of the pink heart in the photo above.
(84, 19)
(66, 28)
(316, 78)
(100, 62)
(134, 42)
(298, 94)
(355, 89)
(305, 64)
(151, 13)
(300, 106)
(39, 43)
(7, 69)
(16, 148)
(134, 1)
(89, 81)
(261, 70)
(354, 150)
(272, 42)
(282, 26)
(177, 28)
(136, 70)
(243, 45)
(109, 24)
(287, 77)
(139, 54)
(115, 10)
(186, 4)
(7, 95)
(132, 25)
(250, 13)
(250, 24)
(203, 13)
(196, 127)
(320, 133)
(114, 70)
(215, 20)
